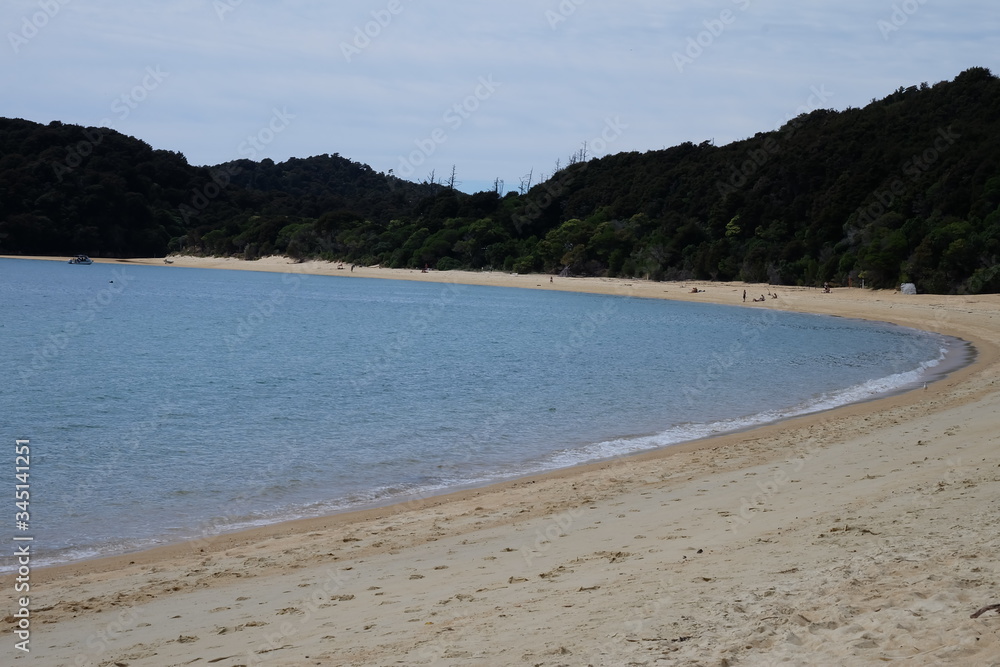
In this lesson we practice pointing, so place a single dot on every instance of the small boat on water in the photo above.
(81, 259)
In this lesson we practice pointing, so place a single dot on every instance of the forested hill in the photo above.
(905, 189)
(66, 189)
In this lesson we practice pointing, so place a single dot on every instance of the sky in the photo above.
(495, 90)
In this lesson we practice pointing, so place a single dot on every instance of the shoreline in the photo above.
(721, 293)
(554, 497)
(403, 501)
(603, 286)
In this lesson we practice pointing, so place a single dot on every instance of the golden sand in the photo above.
(863, 535)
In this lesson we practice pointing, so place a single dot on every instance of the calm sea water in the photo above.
(164, 403)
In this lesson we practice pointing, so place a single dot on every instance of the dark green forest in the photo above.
(906, 189)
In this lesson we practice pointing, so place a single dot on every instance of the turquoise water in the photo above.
(164, 403)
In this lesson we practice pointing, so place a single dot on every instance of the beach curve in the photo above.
(856, 535)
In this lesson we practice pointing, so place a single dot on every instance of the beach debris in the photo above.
(551, 574)
(613, 556)
(991, 607)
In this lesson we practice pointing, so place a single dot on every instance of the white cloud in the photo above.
(564, 68)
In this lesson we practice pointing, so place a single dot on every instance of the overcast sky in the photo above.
(495, 88)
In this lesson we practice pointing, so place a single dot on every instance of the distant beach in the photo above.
(853, 536)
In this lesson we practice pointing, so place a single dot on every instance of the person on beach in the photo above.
(744, 296)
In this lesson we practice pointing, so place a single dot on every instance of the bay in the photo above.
(164, 404)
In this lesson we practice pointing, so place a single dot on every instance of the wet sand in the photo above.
(861, 535)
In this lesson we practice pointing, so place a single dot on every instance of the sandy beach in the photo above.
(859, 536)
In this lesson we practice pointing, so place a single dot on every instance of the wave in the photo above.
(949, 358)
(869, 390)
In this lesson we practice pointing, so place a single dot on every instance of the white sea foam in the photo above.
(504, 384)
(679, 433)
(608, 449)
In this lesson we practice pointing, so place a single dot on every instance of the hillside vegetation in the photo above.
(906, 189)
